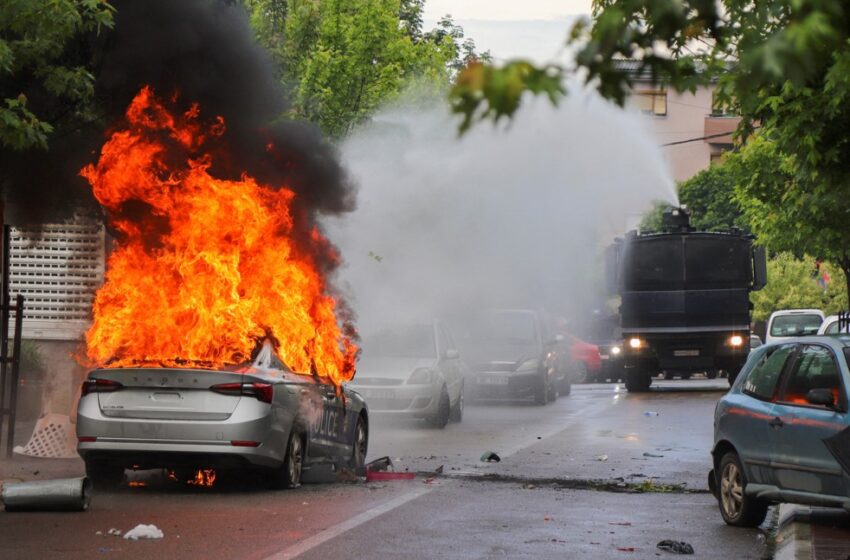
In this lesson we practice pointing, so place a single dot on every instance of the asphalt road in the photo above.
(599, 474)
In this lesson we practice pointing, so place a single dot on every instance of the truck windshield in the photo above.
(687, 262)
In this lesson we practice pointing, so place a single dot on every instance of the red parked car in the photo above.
(585, 359)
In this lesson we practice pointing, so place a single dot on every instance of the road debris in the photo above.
(677, 547)
(490, 457)
(346, 475)
(651, 413)
(439, 470)
(626, 548)
(66, 494)
(114, 532)
(379, 465)
(601, 458)
(142, 531)
(621, 523)
(653, 455)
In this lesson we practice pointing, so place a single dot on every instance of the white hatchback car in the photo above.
(788, 323)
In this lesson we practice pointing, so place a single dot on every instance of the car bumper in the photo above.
(411, 401)
(500, 386)
(163, 443)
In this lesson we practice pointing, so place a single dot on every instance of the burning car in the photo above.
(262, 417)
(413, 371)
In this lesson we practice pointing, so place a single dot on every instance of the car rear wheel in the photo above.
(288, 475)
(359, 447)
(103, 476)
(457, 409)
(441, 417)
(542, 389)
(580, 373)
(565, 386)
(736, 507)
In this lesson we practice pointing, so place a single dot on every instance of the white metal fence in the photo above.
(58, 268)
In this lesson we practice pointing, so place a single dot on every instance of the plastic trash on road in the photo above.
(142, 531)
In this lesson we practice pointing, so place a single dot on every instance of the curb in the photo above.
(809, 533)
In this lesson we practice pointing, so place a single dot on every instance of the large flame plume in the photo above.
(205, 268)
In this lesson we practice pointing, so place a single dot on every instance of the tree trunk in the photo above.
(845, 267)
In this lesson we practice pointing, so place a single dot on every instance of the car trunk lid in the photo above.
(167, 393)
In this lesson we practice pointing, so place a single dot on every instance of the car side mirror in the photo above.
(821, 397)
(451, 354)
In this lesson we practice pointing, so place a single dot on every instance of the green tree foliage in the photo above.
(45, 82)
(793, 284)
(342, 59)
(783, 65)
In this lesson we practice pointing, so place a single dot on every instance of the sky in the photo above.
(533, 29)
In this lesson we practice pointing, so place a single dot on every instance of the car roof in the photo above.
(841, 340)
(782, 312)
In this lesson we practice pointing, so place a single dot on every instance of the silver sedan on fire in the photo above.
(413, 371)
(262, 417)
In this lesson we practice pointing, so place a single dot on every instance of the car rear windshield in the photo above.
(405, 342)
(795, 325)
(506, 326)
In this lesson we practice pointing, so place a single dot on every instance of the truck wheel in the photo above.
(637, 381)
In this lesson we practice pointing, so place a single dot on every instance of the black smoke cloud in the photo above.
(204, 51)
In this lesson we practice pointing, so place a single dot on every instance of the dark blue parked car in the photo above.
(782, 432)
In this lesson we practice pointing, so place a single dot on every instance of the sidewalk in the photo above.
(807, 533)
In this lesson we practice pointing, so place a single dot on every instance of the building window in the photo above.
(652, 102)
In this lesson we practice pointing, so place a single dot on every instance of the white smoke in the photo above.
(513, 215)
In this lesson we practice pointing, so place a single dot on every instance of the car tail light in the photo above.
(263, 392)
(244, 443)
(86, 439)
(100, 386)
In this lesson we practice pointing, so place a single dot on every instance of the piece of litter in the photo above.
(98, 532)
(490, 457)
(601, 458)
(114, 532)
(653, 455)
(626, 548)
(380, 465)
(142, 531)
(650, 413)
(677, 547)
(620, 523)
(439, 470)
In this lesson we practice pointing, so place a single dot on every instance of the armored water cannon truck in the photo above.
(685, 305)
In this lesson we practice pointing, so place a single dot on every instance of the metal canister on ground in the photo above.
(66, 494)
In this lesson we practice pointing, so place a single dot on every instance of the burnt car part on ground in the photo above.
(262, 418)
(781, 432)
(413, 371)
(515, 354)
(684, 299)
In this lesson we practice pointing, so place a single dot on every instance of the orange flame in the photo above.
(204, 268)
(203, 477)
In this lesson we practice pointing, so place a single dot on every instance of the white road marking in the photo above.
(332, 532)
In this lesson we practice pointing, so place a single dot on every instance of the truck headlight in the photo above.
(736, 340)
(635, 343)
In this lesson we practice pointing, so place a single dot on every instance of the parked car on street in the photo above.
(515, 353)
(782, 432)
(787, 323)
(261, 417)
(834, 325)
(585, 358)
(413, 371)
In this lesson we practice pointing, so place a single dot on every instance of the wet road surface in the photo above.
(559, 491)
